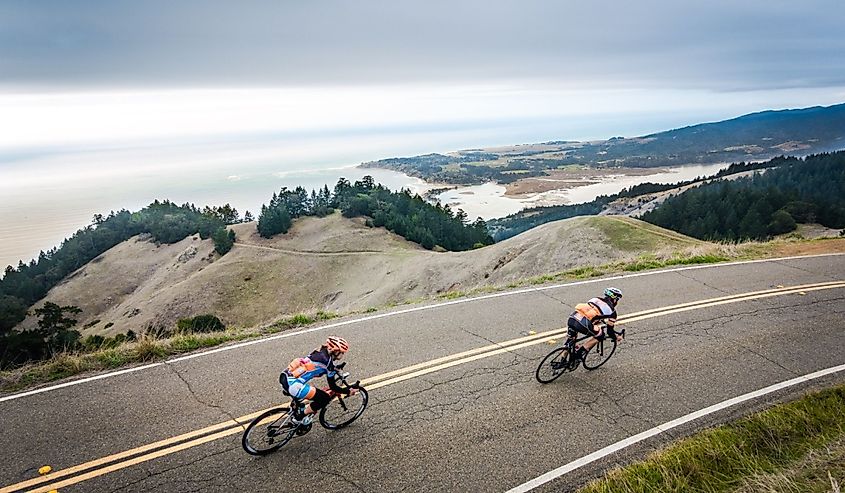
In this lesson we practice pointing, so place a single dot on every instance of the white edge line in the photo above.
(400, 312)
(77, 382)
(610, 449)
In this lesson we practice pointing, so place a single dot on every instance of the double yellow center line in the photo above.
(111, 463)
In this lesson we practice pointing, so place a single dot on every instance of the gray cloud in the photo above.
(719, 45)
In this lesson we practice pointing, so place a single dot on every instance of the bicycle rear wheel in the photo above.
(599, 354)
(553, 365)
(268, 432)
(344, 410)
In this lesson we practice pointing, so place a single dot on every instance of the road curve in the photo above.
(478, 421)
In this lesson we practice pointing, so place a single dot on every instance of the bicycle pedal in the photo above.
(303, 429)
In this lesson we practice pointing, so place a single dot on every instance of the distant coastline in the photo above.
(46, 195)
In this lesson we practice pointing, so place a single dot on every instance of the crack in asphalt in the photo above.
(186, 480)
(770, 306)
(691, 278)
(496, 343)
(480, 337)
(616, 400)
(313, 468)
(783, 263)
(197, 398)
(545, 292)
(432, 410)
(734, 342)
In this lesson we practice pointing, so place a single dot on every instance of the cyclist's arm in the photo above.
(611, 332)
(330, 377)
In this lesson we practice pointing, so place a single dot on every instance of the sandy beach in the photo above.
(565, 179)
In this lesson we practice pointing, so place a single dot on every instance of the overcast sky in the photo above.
(720, 45)
(331, 63)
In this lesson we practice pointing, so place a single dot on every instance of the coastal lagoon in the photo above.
(489, 200)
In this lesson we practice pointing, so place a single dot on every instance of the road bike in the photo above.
(275, 427)
(564, 359)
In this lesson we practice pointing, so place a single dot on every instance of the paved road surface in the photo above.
(481, 425)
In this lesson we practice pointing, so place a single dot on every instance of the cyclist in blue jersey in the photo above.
(294, 379)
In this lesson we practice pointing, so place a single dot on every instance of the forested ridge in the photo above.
(407, 215)
(809, 190)
(22, 286)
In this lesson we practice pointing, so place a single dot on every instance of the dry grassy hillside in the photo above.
(333, 264)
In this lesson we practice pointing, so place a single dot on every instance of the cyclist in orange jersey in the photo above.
(596, 317)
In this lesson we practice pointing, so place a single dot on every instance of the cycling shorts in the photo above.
(296, 388)
(581, 325)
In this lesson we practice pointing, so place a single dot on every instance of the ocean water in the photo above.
(48, 193)
(45, 198)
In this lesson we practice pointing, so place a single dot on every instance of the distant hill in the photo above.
(332, 264)
(752, 137)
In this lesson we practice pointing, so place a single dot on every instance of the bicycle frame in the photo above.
(571, 341)
(274, 428)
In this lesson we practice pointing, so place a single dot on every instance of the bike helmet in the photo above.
(613, 293)
(338, 344)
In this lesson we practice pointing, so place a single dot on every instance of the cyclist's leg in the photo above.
(575, 327)
(592, 341)
(319, 400)
(301, 390)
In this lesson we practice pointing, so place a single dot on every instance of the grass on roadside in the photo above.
(759, 449)
(712, 253)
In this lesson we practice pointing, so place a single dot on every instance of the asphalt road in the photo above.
(480, 425)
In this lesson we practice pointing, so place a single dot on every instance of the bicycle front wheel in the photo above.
(599, 354)
(344, 410)
(553, 365)
(268, 432)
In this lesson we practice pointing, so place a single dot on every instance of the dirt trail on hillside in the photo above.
(332, 264)
(308, 252)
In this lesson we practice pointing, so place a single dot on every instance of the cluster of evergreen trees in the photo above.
(810, 190)
(520, 222)
(164, 221)
(287, 205)
(55, 333)
(400, 212)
